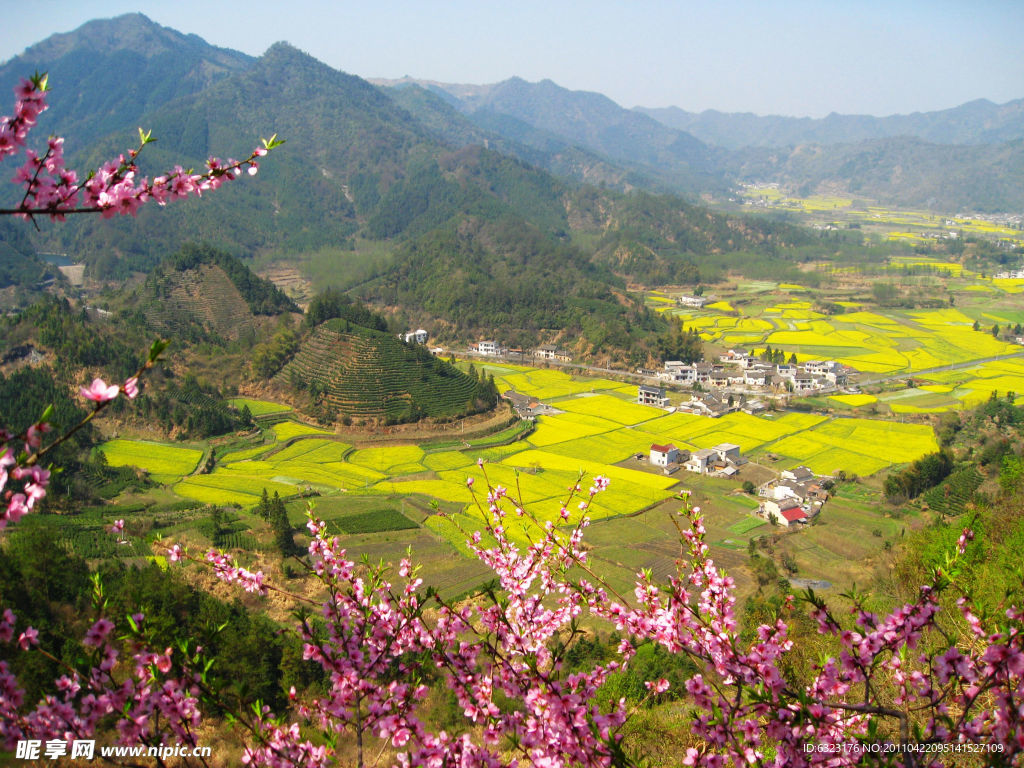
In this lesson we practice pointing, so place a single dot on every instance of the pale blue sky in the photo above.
(794, 57)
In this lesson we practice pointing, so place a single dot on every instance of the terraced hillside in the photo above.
(204, 296)
(362, 373)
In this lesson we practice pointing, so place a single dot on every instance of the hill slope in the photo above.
(203, 291)
(352, 371)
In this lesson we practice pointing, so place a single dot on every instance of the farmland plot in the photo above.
(161, 460)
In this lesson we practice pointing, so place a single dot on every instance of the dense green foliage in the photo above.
(679, 344)
(273, 511)
(191, 408)
(332, 304)
(24, 395)
(269, 357)
(74, 337)
(18, 264)
(50, 589)
(925, 473)
(992, 573)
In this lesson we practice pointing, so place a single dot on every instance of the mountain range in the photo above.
(520, 205)
(966, 158)
(976, 122)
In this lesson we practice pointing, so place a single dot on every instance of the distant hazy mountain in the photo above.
(976, 122)
(901, 171)
(663, 156)
(438, 111)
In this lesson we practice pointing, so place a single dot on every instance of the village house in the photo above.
(803, 382)
(729, 453)
(792, 515)
(419, 336)
(737, 379)
(648, 395)
(837, 377)
(706, 404)
(527, 407)
(723, 459)
(786, 370)
(757, 377)
(678, 372)
(752, 406)
(784, 512)
(797, 474)
(487, 348)
(699, 460)
(551, 352)
(688, 300)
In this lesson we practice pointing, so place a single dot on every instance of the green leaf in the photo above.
(158, 347)
(47, 414)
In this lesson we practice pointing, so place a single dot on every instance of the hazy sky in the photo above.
(791, 57)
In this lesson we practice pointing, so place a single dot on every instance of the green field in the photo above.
(286, 430)
(258, 407)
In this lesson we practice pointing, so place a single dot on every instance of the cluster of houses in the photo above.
(796, 497)
(700, 403)
(1013, 274)
(742, 370)
(723, 460)
(545, 352)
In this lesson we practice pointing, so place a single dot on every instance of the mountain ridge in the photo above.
(979, 121)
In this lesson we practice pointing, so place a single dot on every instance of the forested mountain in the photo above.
(976, 122)
(108, 73)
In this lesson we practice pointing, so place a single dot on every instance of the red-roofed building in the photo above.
(663, 455)
(792, 515)
(785, 511)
